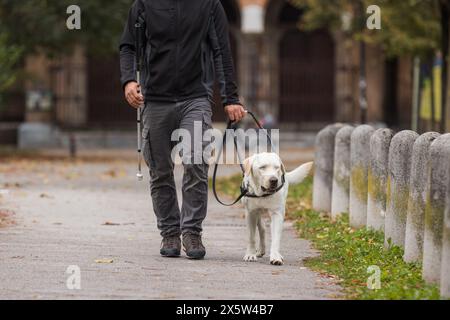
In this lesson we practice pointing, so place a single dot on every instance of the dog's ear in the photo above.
(283, 168)
(248, 165)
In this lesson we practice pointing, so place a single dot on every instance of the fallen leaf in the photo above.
(276, 273)
(104, 261)
(108, 223)
(114, 173)
(72, 176)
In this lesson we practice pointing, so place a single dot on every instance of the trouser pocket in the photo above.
(207, 149)
(207, 120)
(147, 150)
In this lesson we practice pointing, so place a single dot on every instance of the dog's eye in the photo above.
(263, 167)
(276, 168)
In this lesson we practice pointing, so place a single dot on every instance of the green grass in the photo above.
(347, 253)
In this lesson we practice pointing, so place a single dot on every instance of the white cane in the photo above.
(139, 25)
(139, 175)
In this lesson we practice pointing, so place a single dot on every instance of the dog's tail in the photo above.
(299, 174)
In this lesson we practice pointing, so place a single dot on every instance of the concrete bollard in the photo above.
(434, 209)
(400, 156)
(341, 172)
(323, 168)
(377, 178)
(445, 268)
(359, 162)
(415, 220)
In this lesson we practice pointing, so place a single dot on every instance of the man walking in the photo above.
(186, 49)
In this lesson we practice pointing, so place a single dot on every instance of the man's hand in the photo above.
(133, 94)
(235, 112)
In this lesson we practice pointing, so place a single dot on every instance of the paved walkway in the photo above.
(90, 212)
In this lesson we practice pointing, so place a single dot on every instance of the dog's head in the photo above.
(264, 172)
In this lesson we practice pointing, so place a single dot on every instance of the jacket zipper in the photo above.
(177, 52)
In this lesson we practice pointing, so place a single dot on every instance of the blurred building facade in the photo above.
(302, 79)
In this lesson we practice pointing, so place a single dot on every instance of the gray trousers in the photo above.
(160, 119)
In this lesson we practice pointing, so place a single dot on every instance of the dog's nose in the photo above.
(273, 182)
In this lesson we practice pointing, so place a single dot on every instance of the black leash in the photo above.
(216, 166)
(244, 191)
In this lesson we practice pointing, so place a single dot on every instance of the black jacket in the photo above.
(186, 48)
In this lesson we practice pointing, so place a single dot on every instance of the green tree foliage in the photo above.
(29, 26)
(9, 58)
(41, 24)
(408, 26)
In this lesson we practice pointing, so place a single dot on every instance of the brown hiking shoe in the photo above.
(193, 246)
(171, 246)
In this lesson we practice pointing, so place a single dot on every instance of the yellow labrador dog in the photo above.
(267, 182)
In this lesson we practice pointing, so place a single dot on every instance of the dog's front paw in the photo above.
(250, 257)
(260, 252)
(276, 259)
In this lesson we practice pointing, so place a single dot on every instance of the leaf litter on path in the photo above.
(6, 218)
(104, 261)
(113, 173)
(109, 223)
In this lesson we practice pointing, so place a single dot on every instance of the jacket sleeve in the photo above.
(223, 62)
(127, 45)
